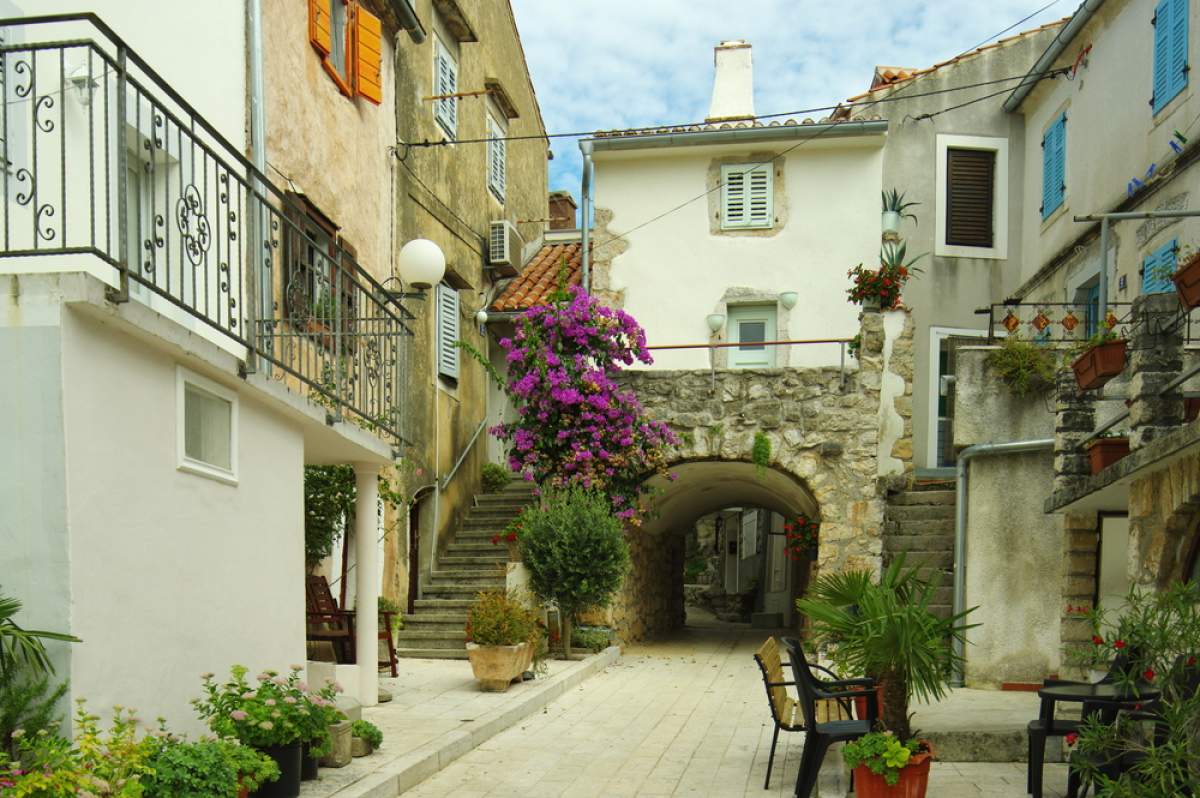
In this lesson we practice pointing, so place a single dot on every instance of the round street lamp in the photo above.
(422, 263)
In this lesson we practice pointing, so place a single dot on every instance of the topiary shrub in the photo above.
(575, 551)
(1027, 368)
(495, 477)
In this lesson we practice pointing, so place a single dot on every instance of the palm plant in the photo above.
(894, 201)
(20, 646)
(886, 630)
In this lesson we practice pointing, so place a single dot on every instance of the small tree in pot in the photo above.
(575, 551)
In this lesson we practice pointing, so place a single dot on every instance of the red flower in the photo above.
(1097, 640)
(1137, 706)
(1148, 674)
(788, 527)
(495, 540)
(1071, 738)
(1119, 644)
(1191, 662)
(511, 537)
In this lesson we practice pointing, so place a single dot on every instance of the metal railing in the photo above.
(1051, 322)
(103, 158)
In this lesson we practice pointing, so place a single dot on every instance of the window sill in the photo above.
(211, 472)
(960, 251)
(1054, 216)
(1164, 114)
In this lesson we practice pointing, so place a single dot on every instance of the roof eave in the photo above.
(1046, 60)
(873, 127)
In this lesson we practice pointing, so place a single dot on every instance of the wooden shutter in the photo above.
(1170, 51)
(445, 83)
(1179, 47)
(447, 331)
(759, 192)
(320, 26)
(368, 56)
(747, 196)
(1157, 269)
(970, 197)
(1054, 157)
(733, 197)
(497, 154)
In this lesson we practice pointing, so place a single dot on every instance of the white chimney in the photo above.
(733, 82)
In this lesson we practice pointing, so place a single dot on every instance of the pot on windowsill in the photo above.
(1187, 282)
(1099, 364)
(1103, 452)
(495, 667)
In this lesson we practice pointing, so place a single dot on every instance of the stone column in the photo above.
(1155, 358)
(1081, 540)
(366, 615)
(1074, 420)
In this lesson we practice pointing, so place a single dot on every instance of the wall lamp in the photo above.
(422, 264)
(715, 321)
(789, 299)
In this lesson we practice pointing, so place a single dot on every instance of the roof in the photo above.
(740, 124)
(898, 75)
(540, 277)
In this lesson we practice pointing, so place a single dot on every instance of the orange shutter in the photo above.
(319, 26)
(368, 56)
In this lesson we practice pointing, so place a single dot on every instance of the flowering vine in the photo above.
(802, 535)
(575, 425)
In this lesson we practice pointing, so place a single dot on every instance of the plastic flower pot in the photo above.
(308, 765)
(913, 782)
(890, 221)
(1099, 364)
(1103, 452)
(1187, 283)
(860, 703)
(287, 757)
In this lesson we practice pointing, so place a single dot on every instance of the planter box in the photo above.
(914, 780)
(359, 747)
(1187, 283)
(1103, 452)
(339, 755)
(1099, 364)
(1191, 409)
(496, 666)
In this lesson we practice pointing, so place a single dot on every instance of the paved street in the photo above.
(685, 717)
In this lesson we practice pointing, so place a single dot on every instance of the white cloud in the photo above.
(601, 64)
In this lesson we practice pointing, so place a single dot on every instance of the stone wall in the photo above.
(1164, 518)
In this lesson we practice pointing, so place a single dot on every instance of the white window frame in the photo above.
(999, 248)
(497, 157)
(183, 378)
(739, 313)
(745, 169)
(447, 123)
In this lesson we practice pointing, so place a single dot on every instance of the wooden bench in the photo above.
(335, 627)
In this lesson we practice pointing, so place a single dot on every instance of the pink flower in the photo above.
(238, 714)
(270, 702)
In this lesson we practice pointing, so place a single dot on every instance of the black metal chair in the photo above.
(819, 736)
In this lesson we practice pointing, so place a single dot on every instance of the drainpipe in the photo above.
(960, 522)
(258, 153)
(585, 210)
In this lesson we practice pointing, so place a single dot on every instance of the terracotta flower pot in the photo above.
(1103, 452)
(1187, 283)
(1099, 364)
(860, 704)
(496, 666)
(914, 780)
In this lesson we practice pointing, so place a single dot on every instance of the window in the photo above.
(349, 40)
(447, 332)
(319, 293)
(1054, 159)
(750, 326)
(207, 427)
(1170, 51)
(1157, 269)
(445, 83)
(496, 155)
(970, 197)
(746, 196)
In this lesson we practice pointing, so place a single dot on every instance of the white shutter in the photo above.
(447, 331)
(746, 196)
(497, 153)
(445, 80)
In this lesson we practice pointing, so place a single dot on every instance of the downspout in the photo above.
(960, 523)
(258, 155)
(585, 212)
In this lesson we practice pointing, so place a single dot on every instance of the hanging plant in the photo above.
(802, 536)
(760, 452)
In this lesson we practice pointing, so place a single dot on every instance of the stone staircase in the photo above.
(920, 522)
(469, 563)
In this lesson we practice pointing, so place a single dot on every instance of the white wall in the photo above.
(172, 574)
(675, 271)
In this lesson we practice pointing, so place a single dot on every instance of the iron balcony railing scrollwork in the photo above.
(102, 157)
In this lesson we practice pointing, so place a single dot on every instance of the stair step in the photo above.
(897, 543)
(503, 500)
(920, 512)
(927, 526)
(477, 548)
(488, 573)
(432, 639)
(456, 561)
(916, 497)
(443, 605)
(470, 531)
(432, 653)
(462, 592)
(441, 621)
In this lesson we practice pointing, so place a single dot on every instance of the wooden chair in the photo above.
(784, 710)
(328, 623)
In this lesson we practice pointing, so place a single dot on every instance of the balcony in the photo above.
(109, 170)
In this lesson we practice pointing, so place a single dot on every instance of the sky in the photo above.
(603, 64)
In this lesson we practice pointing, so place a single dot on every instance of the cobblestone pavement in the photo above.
(687, 717)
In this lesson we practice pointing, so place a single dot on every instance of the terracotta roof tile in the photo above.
(540, 277)
(725, 125)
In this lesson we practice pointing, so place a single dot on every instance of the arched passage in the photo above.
(753, 563)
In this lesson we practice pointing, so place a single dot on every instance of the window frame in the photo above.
(184, 378)
(449, 127)
(999, 248)
(745, 169)
(736, 314)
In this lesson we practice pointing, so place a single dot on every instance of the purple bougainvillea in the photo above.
(574, 424)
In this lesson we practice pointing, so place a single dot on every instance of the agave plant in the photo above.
(891, 258)
(894, 201)
(885, 630)
(20, 646)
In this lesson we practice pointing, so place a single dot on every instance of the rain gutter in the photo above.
(1045, 62)
(872, 127)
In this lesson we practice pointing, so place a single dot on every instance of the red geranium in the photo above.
(1119, 644)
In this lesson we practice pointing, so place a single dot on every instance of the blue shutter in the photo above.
(1054, 160)
(1179, 46)
(1157, 269)
(1170, 51)
(1092, 311)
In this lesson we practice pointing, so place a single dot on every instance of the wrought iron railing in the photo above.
(1052, 322)
(103, 158)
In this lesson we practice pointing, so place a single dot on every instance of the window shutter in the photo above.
(446, 79)
(747, 196)
(733, 197)
(760, 214)
(1162, 55)
(320, 26)
(1054, 155)
(1178, 69)
(447, 321)
(368, 56)
(1157, 269)
(497, 154)
(970, 197)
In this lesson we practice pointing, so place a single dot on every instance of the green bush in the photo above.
(575, 551)
(183, 769)
(27, 702)
(329, 493)
(365, 730)
(590, 637)
(1027, 368)
(496, 619)
(694, 568)
(495, 477)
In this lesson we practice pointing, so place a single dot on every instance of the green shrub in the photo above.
(495, 477)
(1027, 368)
(575, 551)
(27, 702)
(391, 605)
(329, 493)
(882, 753)
(365, 730)
(591, 637)
(694, 568)
(496, 619)
(181, 769)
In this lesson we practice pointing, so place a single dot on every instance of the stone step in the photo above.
(432, 653)
(436, 621)
(477, 532)
(925, 560)
(896, 543)
(488, 573)
(463, 592)
(468, 561)
(436, 605)
(502, 501)
(943, 526)
(920, 512)
(476, 548)
(917, 497)
(434, 638)
(490, 512)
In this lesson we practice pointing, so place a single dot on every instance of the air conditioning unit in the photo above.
(504, 248)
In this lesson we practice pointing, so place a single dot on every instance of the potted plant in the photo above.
(801, 537)
(1027, 368)
(495, 477)
(366, 737)
(894, 208)
(879, 289)
(1106, 450)
(203, 769)
(885, 767)
(253, 768)
(885, 630)
(501, 633)
(1187, 278)
(1102, 359)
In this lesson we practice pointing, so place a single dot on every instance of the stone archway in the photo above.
(1164, 515)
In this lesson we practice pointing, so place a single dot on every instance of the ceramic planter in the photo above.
(339, 755)
(1099, 364)
(914, 780)
(359, 747)
(496, 666)
(1187, 283)
(287, 757)
(891, 222)
(1103, 452)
